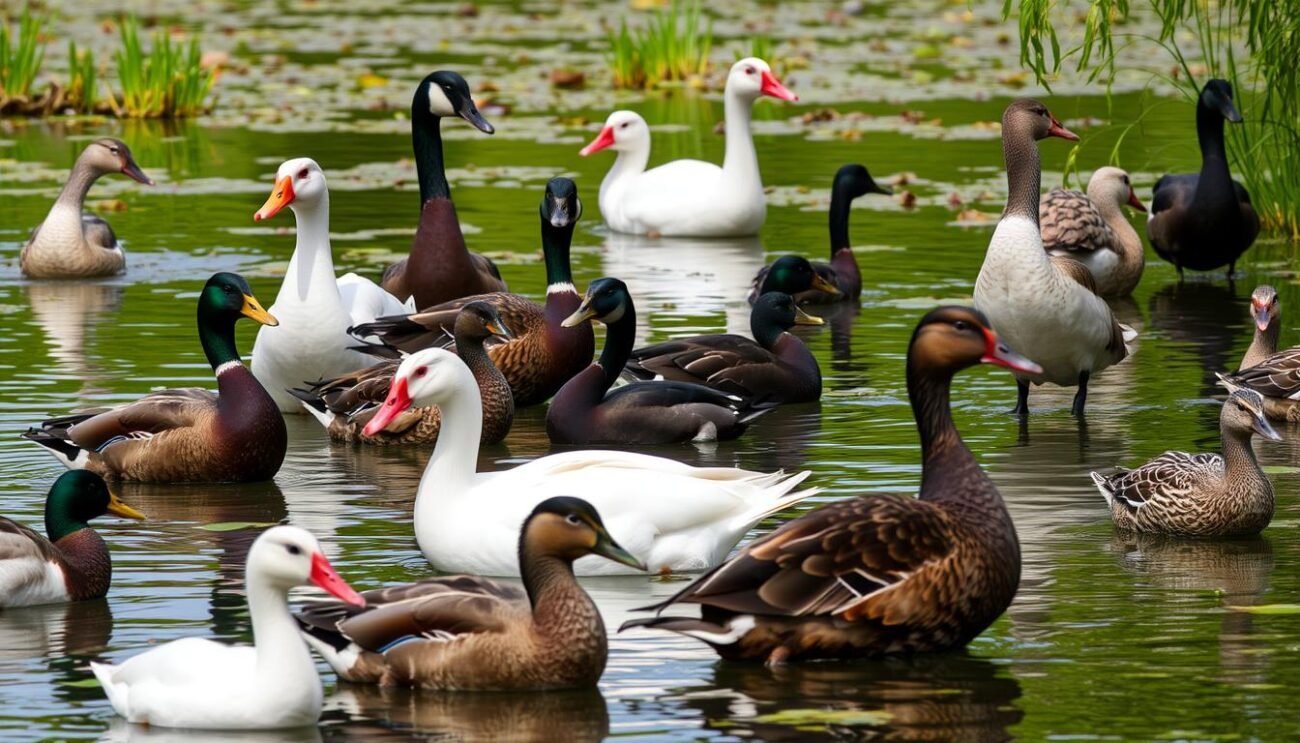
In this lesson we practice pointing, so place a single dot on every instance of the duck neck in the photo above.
(740, 162)
(1024, 174)
(556, 242)
(454, 461)
(1238, 455)
(1263, 345)
(942, 448)
(841, 205)
(620, 337)
(765, 330)
(310, 277)
(629, 162)
(556, 598)
(281, 653)
(74, 192)
(86, 559)
(426, 136)
(217, 336)
(1215, 184)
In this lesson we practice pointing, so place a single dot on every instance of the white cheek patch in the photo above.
(439, 104)
(614, 316)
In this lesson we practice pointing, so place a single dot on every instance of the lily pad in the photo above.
(236, 525)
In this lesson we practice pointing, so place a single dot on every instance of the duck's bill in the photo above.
(1262, 318)
(471, 114)
(607, 548)
(1057, 130)
(324, 576)
(773, 87)
(820, 283)
(281, 196)
(803, 318)
(1265, 429)
(997, 353)
(498, 328)
(1134, 201)
(253, 310)
(397, 402)
(133, 171)
(581, 315)
(118, 508)
(1230, 111)
(882, 190)
(602, 140)
(560, 214)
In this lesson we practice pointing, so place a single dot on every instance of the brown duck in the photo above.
(884, 574)
(185, 435)
(1266, 316)
(470, 633)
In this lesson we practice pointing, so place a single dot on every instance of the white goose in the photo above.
(690, 197)
(314, 309)
(1046, 307)
(670, 515)
(198, 683)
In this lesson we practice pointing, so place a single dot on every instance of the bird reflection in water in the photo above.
(68, 313)
(1209, 319)
(66, 636)
(121, 731)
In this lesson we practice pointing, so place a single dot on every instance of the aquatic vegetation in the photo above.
(168, 81)
(674, 46)
(83, 80)
(21, 57)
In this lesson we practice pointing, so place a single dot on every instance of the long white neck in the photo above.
(310, 277)
(629, 162)
(740, 162)
(454, 461)
(282, 655)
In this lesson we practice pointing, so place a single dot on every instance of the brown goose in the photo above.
(881, 574)
(1199, 495)
(185, 435)
(346, 404)
(71, 244)
(470, 633)
(1091, 228)
(440, 267)
(1266, 314)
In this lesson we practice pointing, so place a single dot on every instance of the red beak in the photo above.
(398, 400)
(280, 197)
(602, 140)
(997, 353)
(773, 87)
(323, 575)
(1056, 130)
(1133, 200)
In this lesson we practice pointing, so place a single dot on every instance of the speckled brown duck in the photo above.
(543, 354)
(235, 434)
(1091, 228)
(883, 574)
(775, 365)
(1266, 316)
(73, 563)
(346, 404)
(471, 633)
(1199, 495)
(440, 267)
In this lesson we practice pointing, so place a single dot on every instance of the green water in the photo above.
(1111, 636)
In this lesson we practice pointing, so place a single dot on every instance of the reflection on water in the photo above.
(1209, 319)
(68, 313)
(121, 731)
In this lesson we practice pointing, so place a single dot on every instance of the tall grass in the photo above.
(83, 80)
(168, 81)
(673, 46)
(21, 57)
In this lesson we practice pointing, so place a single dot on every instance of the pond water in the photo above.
(1111, 637)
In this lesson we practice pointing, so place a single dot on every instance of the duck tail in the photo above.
(116, 694)
(776, 498)
(314, 404)
(715, 634)
(754, 408)
(1227, 382)
(1103, 485)
(53, 436)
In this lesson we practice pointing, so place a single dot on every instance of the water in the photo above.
(1111, 636)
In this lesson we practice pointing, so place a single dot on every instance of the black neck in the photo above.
(841, 205)
(620, 337)
(1215, 182)
(556, 242)
(217, 334)
(426, 136)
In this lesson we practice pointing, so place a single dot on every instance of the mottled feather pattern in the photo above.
(1071, 222)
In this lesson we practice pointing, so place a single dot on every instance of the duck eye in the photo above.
(112, 149)
(749, 70)
(625, 125)
(421, 371)
(294, 549)
(302, 174)
(573, 519)
(961, 325)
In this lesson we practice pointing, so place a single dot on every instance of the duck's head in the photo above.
(793, 274)
(1264, 307)
(1217, 96)
(856, 181)
(779, 309)
(228, 296)
(299, 181)
(1244, 411)
(568, 528)
(751, 78)
(623, 130)
(77, 497)
(561, 206)
(606, 300)
(1027, 114)
(951, 338)
(284, 557)
(480, 321)
(1112, 185)
(427, 377)
(108, 155)
(444, 93)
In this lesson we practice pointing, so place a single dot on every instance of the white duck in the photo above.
(1046, 307)
(315, 310)
(198, 683)
(669, 515)
(690, 197)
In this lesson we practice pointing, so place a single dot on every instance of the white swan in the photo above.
(198, 683)
(314, 309)
(672, 516)
(690, 197)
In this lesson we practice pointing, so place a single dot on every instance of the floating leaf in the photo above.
(90, 683)
(1269, 609)
(1280, 469)
(236, 525)
(823, 717)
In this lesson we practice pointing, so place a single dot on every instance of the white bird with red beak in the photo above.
(690, 197)
(198, 683)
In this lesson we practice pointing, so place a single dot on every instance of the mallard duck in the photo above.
(440, 267)
(851, 181)
(1199, 495)
(1266, 315)
(543, 354)
(670, 515)
(587, 411)
(198, 683)
(1047, 307)
(1204, 220)
(469, 633)
(879, 574)
(1091, 228)
(71, 244)
(184, 435)
(692, 197)
(775, 366)
(793, 275)
(346, 404)
(73, 564)
(314, 309)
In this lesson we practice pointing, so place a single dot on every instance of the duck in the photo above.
(673, 517)
(878, 574)
(793, 275)
(1091, 228)
(1045, 306)
(198, 683)
(467, 633)
(775, 365)
(314, 308)
(235, 434)
(73, 563)
(346, 404)
(1266, 315)
(628, 134)
(1204, 220)
(71, 244)
(542, 354)
(851, 181)
(1199, 495)
(692, 198)
(440, 268)
(586, 411)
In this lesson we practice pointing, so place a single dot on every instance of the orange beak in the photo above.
(281, 196)
(1056, 130)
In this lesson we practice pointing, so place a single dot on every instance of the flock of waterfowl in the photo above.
(440, 354)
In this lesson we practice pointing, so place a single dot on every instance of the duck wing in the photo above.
(1173, 191)
(696, 359)
(1071, 222)
(25, 557)
(97, 232)
(1172, 475)
(1276, 376)
(432, 327)
(152, 414)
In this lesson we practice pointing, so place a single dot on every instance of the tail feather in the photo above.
(782, 499)
(53, 436)
(1227, 382)
(710, 632)
(1103, 485)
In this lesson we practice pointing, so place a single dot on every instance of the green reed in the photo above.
(21, 57)
(83, 80)
(673, 46)
(167, 81)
